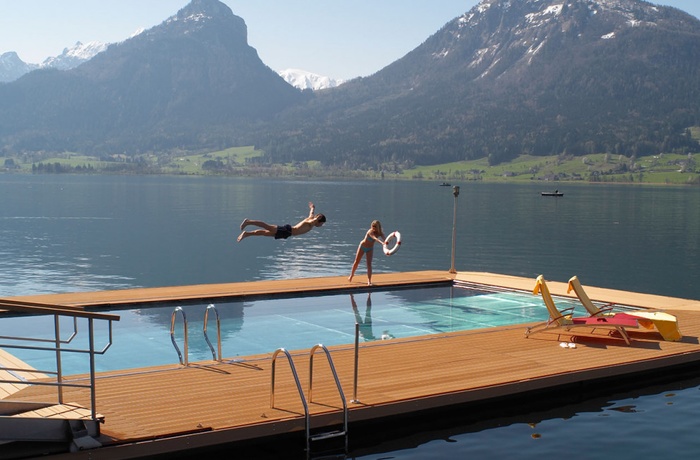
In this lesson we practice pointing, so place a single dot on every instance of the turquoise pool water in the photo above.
(142, 336)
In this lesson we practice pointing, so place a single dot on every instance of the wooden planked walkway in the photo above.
(166, 409)
(21, 372)
(71, 411)
(106, 299)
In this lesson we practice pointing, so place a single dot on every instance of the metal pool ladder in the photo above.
(173, 317)
(216, 354)
(318, 436)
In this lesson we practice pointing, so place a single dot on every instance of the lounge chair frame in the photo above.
(563, 319)
(665, 323)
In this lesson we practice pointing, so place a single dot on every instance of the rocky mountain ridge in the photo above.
(12, 67)
(508, 77)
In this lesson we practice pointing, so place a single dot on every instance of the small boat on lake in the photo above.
(554, 193)
(445, 184)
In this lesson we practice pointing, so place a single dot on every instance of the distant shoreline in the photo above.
(665, 169)
(546, 185)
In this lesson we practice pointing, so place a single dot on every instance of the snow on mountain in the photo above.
(499, 35)
(73, 57)
(138, 31)
(307, 80)
(12, 67)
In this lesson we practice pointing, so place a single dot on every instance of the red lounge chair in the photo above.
(665, 323)
(562, 319)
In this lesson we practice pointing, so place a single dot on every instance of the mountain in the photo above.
(192, 81)
(307, 80)
(511, 77)
(74, 56)
(12, 67)
(508, 77)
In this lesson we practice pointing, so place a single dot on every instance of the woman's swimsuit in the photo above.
(367, 240)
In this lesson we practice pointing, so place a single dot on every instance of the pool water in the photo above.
(142, 336)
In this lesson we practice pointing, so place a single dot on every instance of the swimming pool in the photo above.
(260, 326)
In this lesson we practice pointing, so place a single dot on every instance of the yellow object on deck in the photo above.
(665, 323)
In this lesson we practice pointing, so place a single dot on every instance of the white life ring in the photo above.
(389, 251)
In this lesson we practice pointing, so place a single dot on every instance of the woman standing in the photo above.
(366, 248)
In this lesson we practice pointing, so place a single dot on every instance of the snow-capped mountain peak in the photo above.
(12, 67)
(303, 79)
(74, 56)
(138, 32)
(10, 60)
(499, 36)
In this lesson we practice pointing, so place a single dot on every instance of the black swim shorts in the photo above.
(283, 232)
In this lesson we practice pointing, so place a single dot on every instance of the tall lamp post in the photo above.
(455, 192)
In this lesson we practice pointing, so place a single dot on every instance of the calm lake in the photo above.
(84, 233)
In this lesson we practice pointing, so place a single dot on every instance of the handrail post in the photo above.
(93, 398)
(311, 371)
(357, 359)
(59, 371)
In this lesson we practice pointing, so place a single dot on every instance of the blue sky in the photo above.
(334, 38)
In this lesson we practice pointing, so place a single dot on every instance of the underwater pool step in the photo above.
(327, 435)
(318, 450)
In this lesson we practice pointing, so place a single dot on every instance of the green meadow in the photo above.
(656, 169)
(245, 161)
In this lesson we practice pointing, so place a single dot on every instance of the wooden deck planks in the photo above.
(230, 290)
(10, 361)
(71, 411)
(216, 396)
(395, 376)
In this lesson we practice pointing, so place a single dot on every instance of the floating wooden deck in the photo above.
(173, 408)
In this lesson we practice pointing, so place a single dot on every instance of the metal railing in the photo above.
(214, 354)
(339, 387)
(185, 357)
(299, 390)
(173, 317)
(57, 346)
(307, 417)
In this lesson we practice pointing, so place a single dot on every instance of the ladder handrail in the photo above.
(299, 390)
(337, 384)
(357, 364)
(172, 335)
(218, 331)
(333, 371)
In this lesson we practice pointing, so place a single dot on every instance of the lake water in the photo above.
(83, 233)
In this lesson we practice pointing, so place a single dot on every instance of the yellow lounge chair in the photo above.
(665, 323)
(564, 319)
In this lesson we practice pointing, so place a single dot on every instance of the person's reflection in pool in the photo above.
(365, 324)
